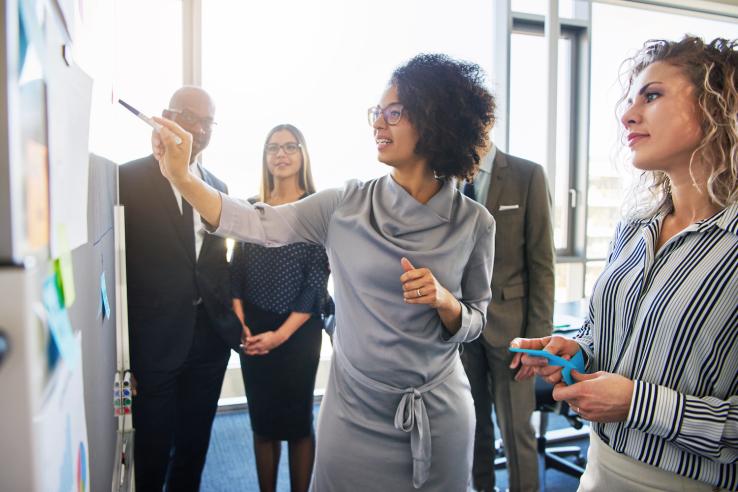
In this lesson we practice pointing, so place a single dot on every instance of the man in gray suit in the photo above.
(516, 193)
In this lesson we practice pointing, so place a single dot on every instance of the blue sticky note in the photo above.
(104, 293)
(58, 320)
(22, 43)
(576, 362)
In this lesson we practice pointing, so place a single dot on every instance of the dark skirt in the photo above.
(280, 384)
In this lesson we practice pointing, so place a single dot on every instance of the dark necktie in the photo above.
(469, 190)
(188, 226)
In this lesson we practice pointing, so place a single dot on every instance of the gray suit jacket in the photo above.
(523, 276)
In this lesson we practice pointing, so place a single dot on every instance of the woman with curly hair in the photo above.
(412, 262)
(661, 338)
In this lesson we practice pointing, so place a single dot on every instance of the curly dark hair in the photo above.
(451, 110)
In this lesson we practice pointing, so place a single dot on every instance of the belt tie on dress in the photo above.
(411, 415)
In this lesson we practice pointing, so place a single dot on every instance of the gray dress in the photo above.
(397, 414)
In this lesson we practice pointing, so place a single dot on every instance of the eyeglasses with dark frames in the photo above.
(189, 118)
(289, 148)
(392, 114)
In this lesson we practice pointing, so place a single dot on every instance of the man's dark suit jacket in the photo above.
(523, 275)
(164, 278)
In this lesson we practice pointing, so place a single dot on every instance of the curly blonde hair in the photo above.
(713, 69)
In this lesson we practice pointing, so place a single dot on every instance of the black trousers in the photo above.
(173, 414)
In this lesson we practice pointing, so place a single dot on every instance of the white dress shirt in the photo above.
(481, 180)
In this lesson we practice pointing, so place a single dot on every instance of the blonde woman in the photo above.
(280, 295)
(661, 337)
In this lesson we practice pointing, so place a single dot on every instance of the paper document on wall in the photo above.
(69, 93)
(67, 16)
(62, 436)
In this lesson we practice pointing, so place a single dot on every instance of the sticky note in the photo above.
(64, 269)
(58, 321)
(104, 294)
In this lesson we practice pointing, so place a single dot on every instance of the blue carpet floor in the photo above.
(230, 460)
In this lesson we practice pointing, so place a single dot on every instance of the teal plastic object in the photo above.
(576, 362)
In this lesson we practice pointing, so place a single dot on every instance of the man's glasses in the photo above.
(189, 118)
(289, 148)
(392, 114)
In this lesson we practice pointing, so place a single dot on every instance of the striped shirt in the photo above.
(668, 320)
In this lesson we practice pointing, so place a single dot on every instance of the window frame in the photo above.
(528, 24)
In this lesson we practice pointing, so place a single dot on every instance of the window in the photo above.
(591, 49)
(147, 70)
(528, 114)
(609, 171)
(267, 63)
(538, 7)
(569, 278)
(319, 69)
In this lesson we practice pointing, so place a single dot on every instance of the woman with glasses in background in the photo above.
(412, 263)
(280, 296)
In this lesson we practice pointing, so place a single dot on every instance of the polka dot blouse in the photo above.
(285, 279)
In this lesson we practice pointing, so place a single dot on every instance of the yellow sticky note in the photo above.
(64, 269)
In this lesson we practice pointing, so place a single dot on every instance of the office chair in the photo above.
(556, 457)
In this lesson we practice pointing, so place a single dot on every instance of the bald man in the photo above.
(180, 321)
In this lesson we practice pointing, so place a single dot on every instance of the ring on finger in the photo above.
(420, 294)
